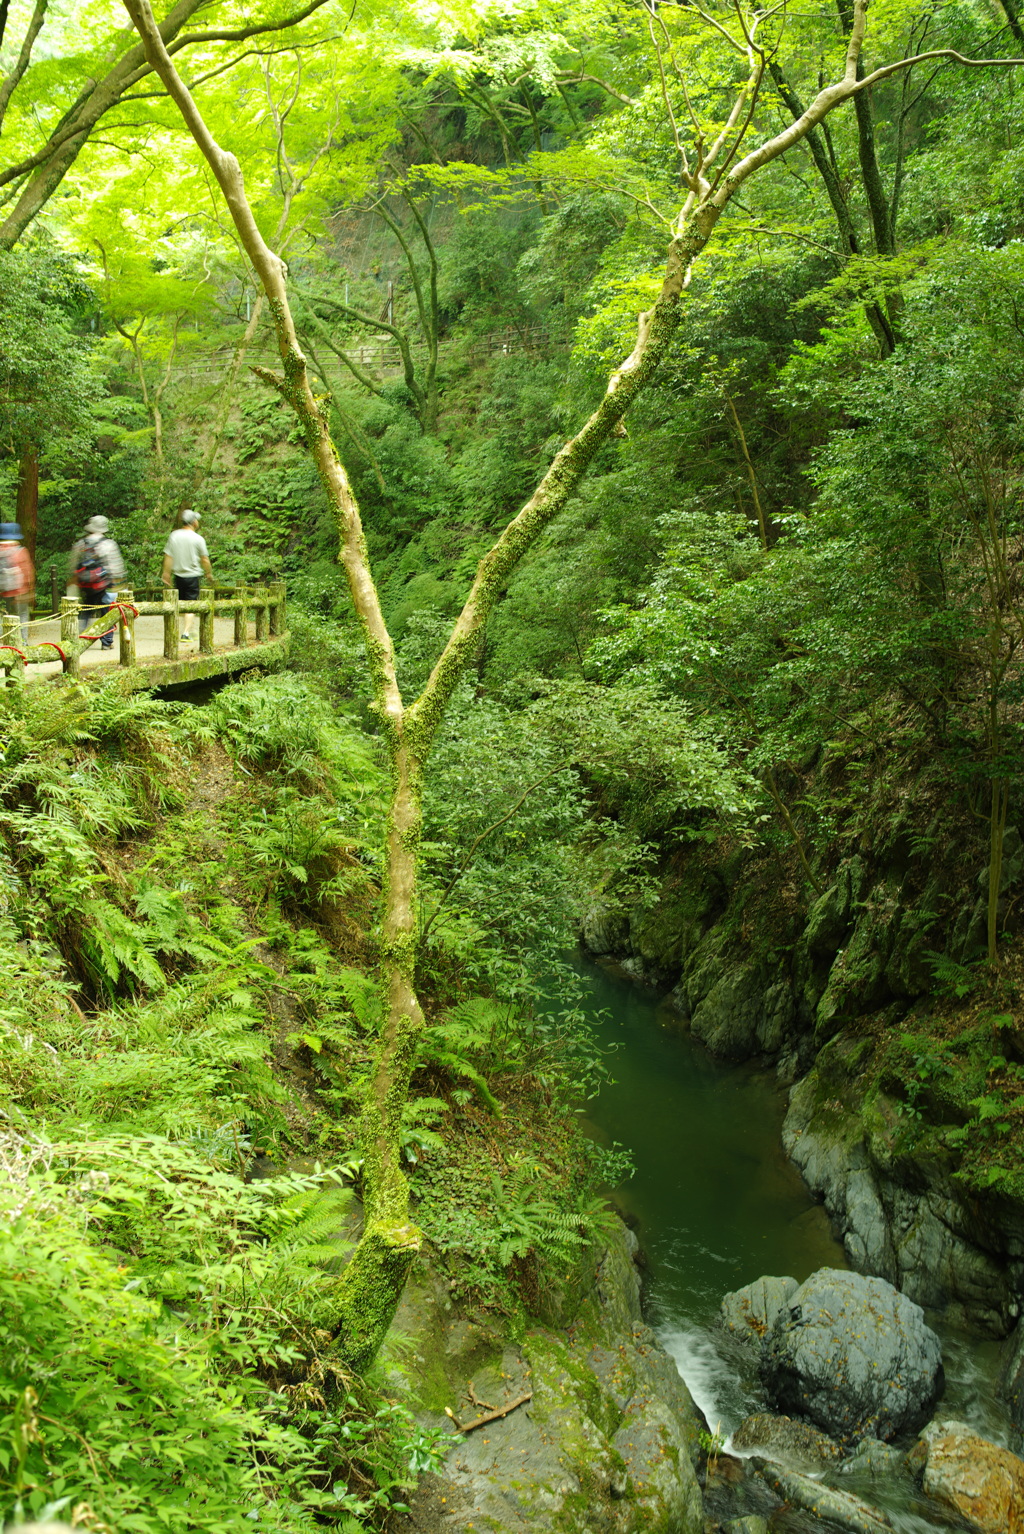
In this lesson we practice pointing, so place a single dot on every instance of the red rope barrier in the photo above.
(52, 646)
(14, 647)
(118, 607)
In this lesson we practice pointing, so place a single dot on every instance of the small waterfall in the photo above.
(718, 1391)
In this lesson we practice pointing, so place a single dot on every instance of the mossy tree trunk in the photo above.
(368, 1291)
(26, 512)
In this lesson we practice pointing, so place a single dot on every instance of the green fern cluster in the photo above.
(108, 1404)
(282, 725)
(137, 1037)
(81, 770)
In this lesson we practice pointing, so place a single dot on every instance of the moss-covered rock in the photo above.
(890, 1184)
(606, 1438)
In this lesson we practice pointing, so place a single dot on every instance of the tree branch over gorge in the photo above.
(36, 177)
(366, 1294)
(10, 84)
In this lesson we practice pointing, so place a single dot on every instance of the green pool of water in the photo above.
(716, 1201)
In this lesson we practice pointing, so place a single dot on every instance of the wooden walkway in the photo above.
(234, 628)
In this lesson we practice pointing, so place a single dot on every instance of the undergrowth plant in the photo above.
(186, 965)
(143, 1000)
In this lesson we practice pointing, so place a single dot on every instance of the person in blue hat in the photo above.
(17, 576)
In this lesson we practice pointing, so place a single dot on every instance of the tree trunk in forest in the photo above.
(1012, 14)
(820, 145)
(227, 392)
(997, 836)
(27, 505)
(367, 1292)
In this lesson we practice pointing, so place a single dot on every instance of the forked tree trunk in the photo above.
(367, 1292)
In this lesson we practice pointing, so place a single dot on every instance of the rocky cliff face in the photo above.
(755, 971)
(895, 1195)
(605, 1437)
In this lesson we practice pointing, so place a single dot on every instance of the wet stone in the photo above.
(853, 1355)
(749, 1313)
(874, 1459)
(976, 1480)
(794, 1444)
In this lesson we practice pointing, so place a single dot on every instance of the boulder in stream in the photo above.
(749, 1313)
(605, 931)
(972, 1478)
(872, 1458)
(794, 1444)
(854, 1356)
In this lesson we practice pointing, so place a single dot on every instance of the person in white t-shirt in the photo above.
(186, 560)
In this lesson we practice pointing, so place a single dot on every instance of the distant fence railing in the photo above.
(385, 355)
(533, 339)
(264, 605)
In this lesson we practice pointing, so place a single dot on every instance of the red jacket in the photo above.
(18, 556)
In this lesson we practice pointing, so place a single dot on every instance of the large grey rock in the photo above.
(904, 1218)
(749, 1313)
(828, 920)
(727, 1017)
(608, 1439)
(751, 1525)
(854, 1356)
(605, 931)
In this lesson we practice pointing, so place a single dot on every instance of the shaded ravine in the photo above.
(717, 1204)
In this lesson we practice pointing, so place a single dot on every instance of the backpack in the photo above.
(90, 571)
(10, 574)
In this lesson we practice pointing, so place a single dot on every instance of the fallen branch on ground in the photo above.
(468, 1427)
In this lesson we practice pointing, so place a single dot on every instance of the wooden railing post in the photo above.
(172, 623)
(206, 619)
(10, 634)
(262, 624)
(242, 617)
(277, 623)
(126, 628)
(69, 636)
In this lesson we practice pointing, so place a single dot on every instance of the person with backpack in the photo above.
(17, 576)
(186, 559)
(97, 569)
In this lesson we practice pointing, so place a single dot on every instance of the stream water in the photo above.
(717, 1204)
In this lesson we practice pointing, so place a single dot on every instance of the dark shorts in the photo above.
(187, 587)
(90, 605)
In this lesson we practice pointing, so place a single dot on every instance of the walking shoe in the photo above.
(186, 636)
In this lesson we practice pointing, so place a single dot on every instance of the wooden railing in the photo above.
(265, 605)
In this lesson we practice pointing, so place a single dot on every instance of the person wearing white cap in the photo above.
(97, 569)
(186, 559)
